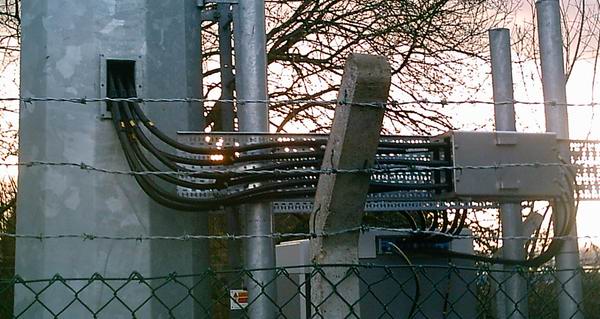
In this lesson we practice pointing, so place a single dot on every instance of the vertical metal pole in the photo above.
(226, 66)
(251, 65)
(226, 123)
(502, 80)
(513, 291)
(570, 295)
(251, 85)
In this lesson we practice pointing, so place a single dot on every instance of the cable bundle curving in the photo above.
(288, 174)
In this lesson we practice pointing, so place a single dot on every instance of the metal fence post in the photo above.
(513, 291)
(570, 295)
(226, 120)
(251, 85)
(225, 123)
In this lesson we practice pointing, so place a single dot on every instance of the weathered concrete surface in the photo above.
(61, 47)
(340, 198)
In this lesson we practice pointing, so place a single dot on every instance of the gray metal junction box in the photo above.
(494, 165)
(444, 293)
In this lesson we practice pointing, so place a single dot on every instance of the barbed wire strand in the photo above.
(441, 102)
(278, 235)
(186, 237)
(415, 168)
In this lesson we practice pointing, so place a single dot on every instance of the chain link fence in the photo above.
(386, 291)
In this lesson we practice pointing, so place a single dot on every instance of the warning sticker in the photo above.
(238, 299)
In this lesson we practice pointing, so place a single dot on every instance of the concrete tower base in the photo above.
(62, 45)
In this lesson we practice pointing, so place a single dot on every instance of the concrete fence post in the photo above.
(340, 197)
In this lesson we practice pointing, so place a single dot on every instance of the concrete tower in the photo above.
(66, 49)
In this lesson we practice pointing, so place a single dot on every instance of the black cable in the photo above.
(552, 249)
(392, 147)
(169, 178)
(375, 187)
(271, 190)
(434, 221)
(134, 119)
(168, 140)
(411, 221)
(160, 155)
(462, 222)
(136, 145)
(142, 182)
(445, 222)
(422, 221)
(415, 303)
(166, 199)
(455, 221)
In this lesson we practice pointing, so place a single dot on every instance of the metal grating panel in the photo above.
(393, 201)
(587, 154)
(376, 204)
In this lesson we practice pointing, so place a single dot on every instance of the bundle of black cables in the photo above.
(224, 187)
(566, 213)
(233, 187)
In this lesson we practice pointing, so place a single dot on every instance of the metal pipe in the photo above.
(570, 296)
(251, 66)
(251, 85)
(513, 290)
(502, 80)
(226, 66)
(226, 123)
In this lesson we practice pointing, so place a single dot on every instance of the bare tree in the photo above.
(581, 34)
(433, 45)
(9, 49)
(10, 30)
(8, 201)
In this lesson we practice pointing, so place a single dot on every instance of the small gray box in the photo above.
(387, 287)
(505, 148)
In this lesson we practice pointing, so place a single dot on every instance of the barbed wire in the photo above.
(409, 168)
(187, 237)
(278, 235)
(393, 103)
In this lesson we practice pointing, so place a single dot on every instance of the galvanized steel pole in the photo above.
(226, 120)
(502, 80)
(251, 84)
(554, 82)
(513, 290)
(225, 123)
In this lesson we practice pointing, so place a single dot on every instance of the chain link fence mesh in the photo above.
(443, 291)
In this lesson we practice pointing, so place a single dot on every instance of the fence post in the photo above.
(512, 294)
(253, 116)
(340, 197)
(570, 294)
(225, 122)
